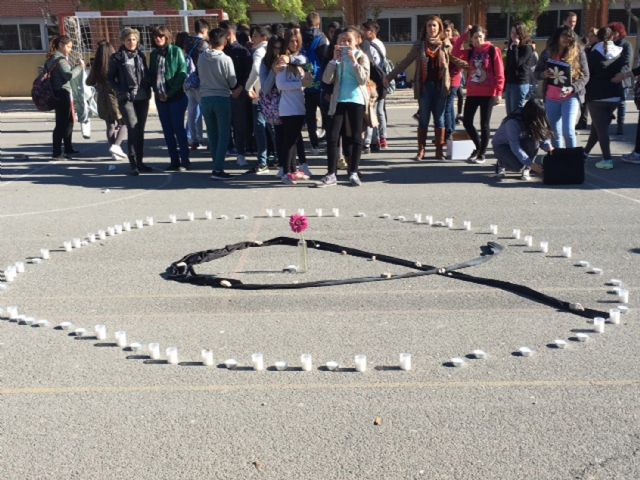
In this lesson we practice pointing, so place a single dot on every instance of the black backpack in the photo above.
(42, 90)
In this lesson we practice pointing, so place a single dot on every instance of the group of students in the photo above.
(291, 72)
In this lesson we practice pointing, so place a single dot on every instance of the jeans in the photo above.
(516, 95)
(432, 101)
(600, 119)
(449, 112)
(562, 117)
(260, 132)
(64, 123)
(486, 105)
(351, 117)
(374, 134)
(135, 117)
(194, 117)
(216, 112)
(171, 115)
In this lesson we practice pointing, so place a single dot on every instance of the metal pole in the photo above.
(185, 19)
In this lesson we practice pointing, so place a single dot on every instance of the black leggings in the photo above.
(290, 129)
(600, 119)
(64, 123)
(486, 107)
(351, 115)
(134, 115)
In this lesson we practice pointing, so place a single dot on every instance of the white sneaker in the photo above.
(525, 174)
(306, 171)
(321, 132)
(632, 157)
(241, 161)
(117, 151)
(354, 179)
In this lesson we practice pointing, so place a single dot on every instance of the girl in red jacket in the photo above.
(485, 83)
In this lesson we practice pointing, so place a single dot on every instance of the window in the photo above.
(563, 13)
(498, 25)
(552, 19)
(621, 15)
(395, 29)
(325, 21)
(21, 37)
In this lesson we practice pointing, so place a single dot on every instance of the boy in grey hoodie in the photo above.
(217, 80)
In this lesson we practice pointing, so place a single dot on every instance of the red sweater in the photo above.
(485, 77)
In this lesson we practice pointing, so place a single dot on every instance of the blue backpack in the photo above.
(193, 79)
(314, 65)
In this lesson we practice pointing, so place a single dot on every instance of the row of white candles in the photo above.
(282, 212)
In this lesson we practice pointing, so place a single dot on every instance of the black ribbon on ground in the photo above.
(183, 271)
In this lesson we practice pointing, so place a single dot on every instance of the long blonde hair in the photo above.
(571, 54)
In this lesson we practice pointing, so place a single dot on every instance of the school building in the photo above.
(26, 26)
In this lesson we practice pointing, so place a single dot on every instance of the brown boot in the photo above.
(440, 135)
(422, 138)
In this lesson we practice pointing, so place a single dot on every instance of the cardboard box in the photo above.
(459, 149)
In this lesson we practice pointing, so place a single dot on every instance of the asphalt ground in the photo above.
(82, 408)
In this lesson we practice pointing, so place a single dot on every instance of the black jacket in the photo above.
(519, 66)
(601, 71)
(242, 61)
(127, 75)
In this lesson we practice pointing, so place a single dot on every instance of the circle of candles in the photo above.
(100, 331)
(207, 357)
(456, 361)
(624, 295)
(331, 365)
(560, 344)
(80, 332)
(318, 212)
(404, 359)
(173, 218)
(584, 264)
(172, 355)
(150, 221)
(567, 252)
(306, 362)
(139, 224)
(582, 337)
(525, 351)
(336, 212)
(44, 254)
(230, 363)
(360, 362)
(270, 212)
(257, 360)
(154, 351)
(280, 365)
(598, 325)
(544, 246)
(208, 214)
(479, 354)
(516, 233)
(20, 267)
(126, 226)
(121, 338)
(614, 316)
(528, 240)
(65, 325)
(467, 225)
(493, 229)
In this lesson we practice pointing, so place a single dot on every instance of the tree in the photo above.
(526, 11)
(290, 9)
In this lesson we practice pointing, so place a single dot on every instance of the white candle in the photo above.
(118, 229)
(614, 316)
(67, 246)
(44, 254)
(173, 218)
(91, 237)
(479, 354)
(457, 362)
(102, 235)
(230, 363)
(401, 218)
(361, 214)
(43, 323)
(121, 338)
(80, 332)
(154, 351)
(560, 344)
(208, 214)
(65, 325)
(19, 267)
(582, 337)
(567, 252)
(12, 313)
(332, 365)
(301, 211)
(525, 351)
(598, 325)
(172, 355)
(516, 233)
(405, 361)
(126, 226)
(280, 365)
(493, 229)
(150, 221)
(110, 231)
(139, 224)
(101, 332)
(624, 295)
(224, 217)
(361, 363)
(270, 212)
(282, 212)
(448, 222)
(596, 271)
(544, 246)
(318, 212)
(623, 309)
(584, 263)
(336, 212)
(428, 219)
(207, 357)
(257, 360)
(306, 362)
(615, 282)
(417, 217)
(528, 240)
(191, 216)
(467, 225)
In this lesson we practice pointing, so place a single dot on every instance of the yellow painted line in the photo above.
(163, 389)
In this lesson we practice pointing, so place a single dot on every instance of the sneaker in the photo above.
(501, 172)
(289, 179)
(321, 133)
(315, 151)
(605, 164)
(342, 164)
(241, 161)
(366, 150)
(298, 175)
(218, 175)
(632, 157)
(473, 156)
(354, 179)
(306, 170)
(459, 119)
(261, 170)
(383, 143)
(280, 173)
(525, 174)
(117, 151)
(479, 159)
(375, 147)
(329, 180)
(172, 168)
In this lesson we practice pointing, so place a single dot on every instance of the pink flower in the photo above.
(298, 223)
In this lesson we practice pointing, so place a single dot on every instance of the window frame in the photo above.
(31, 21)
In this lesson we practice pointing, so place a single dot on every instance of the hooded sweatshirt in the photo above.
(604, 63)
(217, 75)
(485, 77)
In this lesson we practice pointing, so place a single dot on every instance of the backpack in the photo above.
(385, 68)
(42, 90)
(314, 65)
(193, 79)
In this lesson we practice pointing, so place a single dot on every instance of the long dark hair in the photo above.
(535, 120)
(473, 30)
(56, 42)
(100, 65)
(605, 34)
(273, 51)
(571, 54)
(522, 32)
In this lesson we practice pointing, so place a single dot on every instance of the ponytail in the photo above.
(55, 44)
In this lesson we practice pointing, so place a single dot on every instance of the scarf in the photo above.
(161, 82)
(434, 53)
